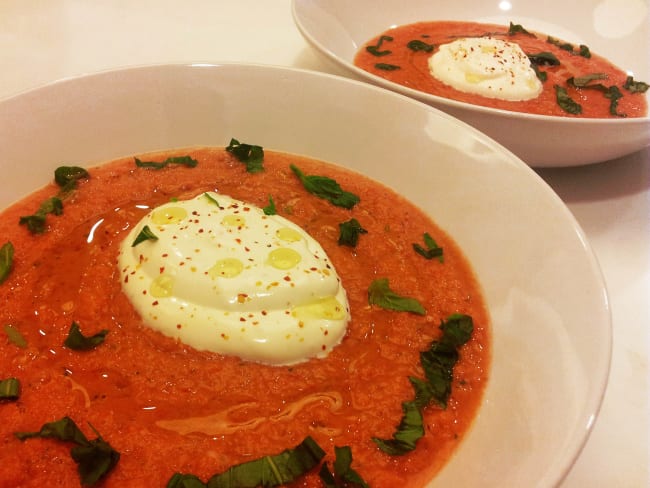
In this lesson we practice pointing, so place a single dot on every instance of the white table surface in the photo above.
(45, 40)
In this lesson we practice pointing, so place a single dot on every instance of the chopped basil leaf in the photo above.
(432, 249)
(417, 45)
(438, 363)
(387, 67)
(610, 92)
(544, 58)
(270, 208)
(182, 160)
(562, 45)
(78, 342)
(379, 293)
(36, 223)
(343, 467)
(326, 188)
(94, 458)
(146, 234)
(374, 50)
(179, 480)
(6, 260)
(15, 337)
(67, 176)
(584, 51)
(565, 102)
(635, 86)
(9, 389)
(349, 233)
(518, 29)
(251, 155)
(210, 198)
(271, 470)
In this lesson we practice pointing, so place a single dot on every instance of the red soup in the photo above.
(168, 408)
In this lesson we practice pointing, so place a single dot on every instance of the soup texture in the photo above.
(574, 81)
(98, 386)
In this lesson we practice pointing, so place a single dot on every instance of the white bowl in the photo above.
(619, 31)
(543, 287)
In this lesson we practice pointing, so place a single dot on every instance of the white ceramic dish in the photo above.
(544, 289)
(617, 30)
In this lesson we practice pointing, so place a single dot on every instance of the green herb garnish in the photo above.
(210, 198)
(387, 67)
(252, 156)
(635, 86)
(78, 342)
(6, 260)
(565, 46)
(432, 250)
(9, 389)
(544, 58)
(417, 45)
(435, 388)
(584, 51)
(613, 93)
(270, 208)
(326, 188)
(36, 222)
(344, 474)
(14, 336)
(180, 160)
(67, 176)
(267, 471)
(146, 234)
(94, 459)
(380, 294)
(375, 49)
(514, 29)
(565, 102)
(349, 233)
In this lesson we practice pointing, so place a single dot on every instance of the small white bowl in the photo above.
(620, 31)
(551, 327)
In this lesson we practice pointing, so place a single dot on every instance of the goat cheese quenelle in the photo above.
(504, 67)
(232, 316)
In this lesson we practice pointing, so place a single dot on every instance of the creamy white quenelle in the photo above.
(486, 66)
(220, 275)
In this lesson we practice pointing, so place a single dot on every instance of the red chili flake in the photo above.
(179, 326)
(242, 319)
(264, 312)
(161, 269)
(201, 231)
(144, 292)
(165, 255)
(126, 279)
(323, 347)
(155, 303)
(238, 241)
(195, 212)
(287, 278)
(247, 249)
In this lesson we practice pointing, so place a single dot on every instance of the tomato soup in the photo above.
(576, 82)
(168, 408)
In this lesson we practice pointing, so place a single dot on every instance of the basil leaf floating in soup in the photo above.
(146, 234)
(612, 93)
(432, 249)
(635, 86)
(94, 458)
(438, 364)
(326, 188)
(343, 474)
(270, 208)
(387, 67)
(180, 160)
(417, 45)
(78, 342)
(267, 471)
(249, 154)
(375, 49)
(565, 102)
(514, 29)
(349, 233)
(6, 260)
(10, 389)
(379, 293)
(68, 176)
(36, 222)
(15, 337)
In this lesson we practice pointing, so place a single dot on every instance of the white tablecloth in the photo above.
(45, 40)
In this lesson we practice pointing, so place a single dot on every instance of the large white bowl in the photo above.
(618, 30)
(543, 287)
